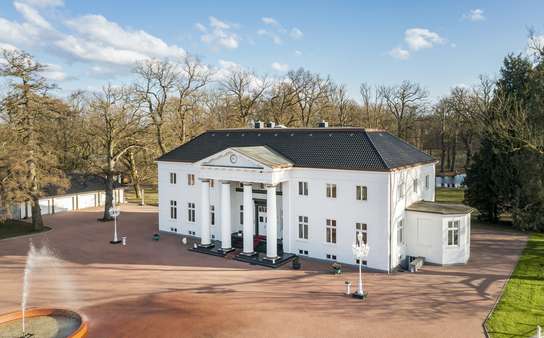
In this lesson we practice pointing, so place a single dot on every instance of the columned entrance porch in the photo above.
(249, 181)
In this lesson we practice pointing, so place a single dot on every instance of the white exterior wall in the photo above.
(405, 177)
(381, 211)
(428, 237)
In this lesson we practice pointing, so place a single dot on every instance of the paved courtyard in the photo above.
(160, 289)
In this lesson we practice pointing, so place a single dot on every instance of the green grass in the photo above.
(151, 196)
(11, 228)
(521, 307)
(449, 195)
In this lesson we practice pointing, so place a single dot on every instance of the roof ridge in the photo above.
(376, 150)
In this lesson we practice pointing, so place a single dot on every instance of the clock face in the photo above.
(233, 158)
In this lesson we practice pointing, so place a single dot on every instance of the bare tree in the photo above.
(115, 127)
(245, 90)
(28, 161)
(282, 103)
(404, 102)
(313, 93)
(192, 78)
(373, 107)
(156, 83)
(344, 106)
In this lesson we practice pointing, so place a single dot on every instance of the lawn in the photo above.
(449, 195)
(11, 228)
(521, 307)
(151, 196)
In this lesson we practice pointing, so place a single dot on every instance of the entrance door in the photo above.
(261, 220)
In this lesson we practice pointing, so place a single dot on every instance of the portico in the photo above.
(249, 168)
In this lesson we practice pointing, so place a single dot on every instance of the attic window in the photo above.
(276, 134)
(213, 134)
(310, 134)
(227, 134)
(243, 134)
(330, 135)
(258, 134)
(351, 134)
(292, 134)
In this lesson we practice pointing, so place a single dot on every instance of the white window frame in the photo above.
(330, 231)
(173, 209)
(427, 182)
(401, 190)
(190, 179)
(303, 188)
(331, 190)
(401, 235)
(303, 227)
(361, 193)
(191, 212)
(454, 228)
(415, 185)
(361, 228)
(173, 178)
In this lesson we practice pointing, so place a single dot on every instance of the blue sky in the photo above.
(439, 44)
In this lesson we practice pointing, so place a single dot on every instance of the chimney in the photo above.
(323, 124)
(259, 125)
(270, 124)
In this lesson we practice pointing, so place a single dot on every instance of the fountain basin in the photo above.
(43, 322)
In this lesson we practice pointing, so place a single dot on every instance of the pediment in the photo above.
(232, 159)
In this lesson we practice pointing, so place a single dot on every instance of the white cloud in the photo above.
(31, 15)
(275, 38)
(95, 32)
(298, 53)
(45, 3)
(270, 21)
(276, 31)
(280, 67)
(54, 72)
(474, 15)
(219, 35)
(419, 38)
(200, 27)
(399, 53)
(296, 33)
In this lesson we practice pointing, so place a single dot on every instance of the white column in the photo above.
(205, 212)
(225, 216)
(271, 223)
(249, 222)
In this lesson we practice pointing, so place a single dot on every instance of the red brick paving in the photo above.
(160, 289)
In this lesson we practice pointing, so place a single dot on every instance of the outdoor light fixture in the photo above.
(114, 212)
(360, 251)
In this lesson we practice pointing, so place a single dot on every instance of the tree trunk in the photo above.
(37, 220)
(135, 180)
(453, 153)
(109, 197)
(442, 152)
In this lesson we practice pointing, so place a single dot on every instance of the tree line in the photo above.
(122, 129)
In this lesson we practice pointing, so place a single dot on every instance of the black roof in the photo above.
(329, 148)
(79, 183)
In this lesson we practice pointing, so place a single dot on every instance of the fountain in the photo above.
(43, 322)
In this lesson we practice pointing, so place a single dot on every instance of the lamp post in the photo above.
(114, 212)
(360, 251)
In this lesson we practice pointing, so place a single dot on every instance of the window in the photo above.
(331, 231)
(361, 228)
(400, 232)
(173, 209)
(191, 212)
(172, 178)
(331, 256)
(363, 263)
(190, 179)
(416, 183)
(453, 233)
(212, 215)
(401, 190)
(303, 188)
(241, 214)
(303, 252)
(303, 227)
(361, 193)
(331, 190)
(427, 182)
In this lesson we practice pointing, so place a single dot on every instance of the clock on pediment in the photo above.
(233, 158)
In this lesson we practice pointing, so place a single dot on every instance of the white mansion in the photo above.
(309, 191)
